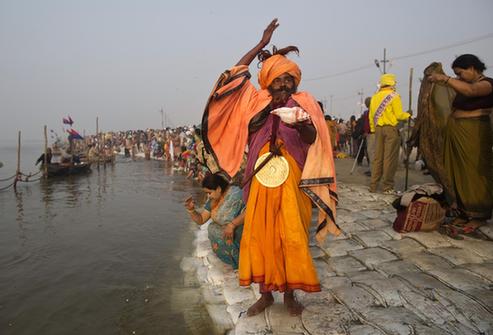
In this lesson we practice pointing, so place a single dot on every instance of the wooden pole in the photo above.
(97, 138)
(19, 153)
(45, 166)
(408, 153)
(18, 171)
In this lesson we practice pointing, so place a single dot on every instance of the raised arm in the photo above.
(250, 55)
(477, 89)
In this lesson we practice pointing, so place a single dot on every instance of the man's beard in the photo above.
(281, 95)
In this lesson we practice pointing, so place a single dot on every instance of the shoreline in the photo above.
(374, 280)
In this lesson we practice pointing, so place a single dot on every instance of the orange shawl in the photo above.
(234, 101)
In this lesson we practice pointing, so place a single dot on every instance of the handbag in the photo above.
(420, 209)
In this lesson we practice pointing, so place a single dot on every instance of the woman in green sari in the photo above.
(468, 156)
(226, 209)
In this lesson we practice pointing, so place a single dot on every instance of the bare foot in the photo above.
(293, 306)
(265, 301)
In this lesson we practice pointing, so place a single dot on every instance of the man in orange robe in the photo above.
(274, 248)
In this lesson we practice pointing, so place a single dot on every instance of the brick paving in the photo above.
(375, 281)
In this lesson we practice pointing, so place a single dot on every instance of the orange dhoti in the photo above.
(274, 247)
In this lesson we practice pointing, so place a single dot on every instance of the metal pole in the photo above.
(409, 126)
(384, 60)
(356, 158)
(331, 111)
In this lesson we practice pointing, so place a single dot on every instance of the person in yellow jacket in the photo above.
(385, 114)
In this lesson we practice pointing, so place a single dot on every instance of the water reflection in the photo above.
(73, 193)
(94, 241)
(46, 187)
(20, 216)
(102, 182)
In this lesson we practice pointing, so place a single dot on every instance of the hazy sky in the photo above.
(125, 60)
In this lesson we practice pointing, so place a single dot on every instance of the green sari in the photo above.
(228, 251)
(469, 162)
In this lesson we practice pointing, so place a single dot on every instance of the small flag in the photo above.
(74, 135)
(68, 120)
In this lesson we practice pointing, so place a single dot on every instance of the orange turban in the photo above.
(276, 66)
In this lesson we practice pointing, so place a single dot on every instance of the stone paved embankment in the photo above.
(374, 280)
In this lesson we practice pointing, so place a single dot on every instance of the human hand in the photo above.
(268, 32)
(228, 233)
(291, 115)
(437, 77)
(189, 203)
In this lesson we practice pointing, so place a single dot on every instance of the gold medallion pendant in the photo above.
(274, 173)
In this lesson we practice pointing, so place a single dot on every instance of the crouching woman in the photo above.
(226, 209)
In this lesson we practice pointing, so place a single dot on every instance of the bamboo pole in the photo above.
(98, 146)
(18, 171)
(19, 152)
(408, 153)
(45, 167)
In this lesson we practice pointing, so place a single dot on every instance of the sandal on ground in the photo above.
(451, 231)
(390, 191)
(474, 224)
(461, 227)
(459, 222)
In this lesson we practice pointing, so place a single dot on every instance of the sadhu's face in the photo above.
(282, 87)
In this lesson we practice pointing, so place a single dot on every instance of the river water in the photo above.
(98, 253)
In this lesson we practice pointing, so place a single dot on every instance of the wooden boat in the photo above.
(57, 169)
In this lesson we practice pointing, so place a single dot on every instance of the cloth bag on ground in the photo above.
(421, 208)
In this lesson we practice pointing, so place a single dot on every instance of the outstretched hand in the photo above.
(268, 32)
(189, 203)
(250, 55)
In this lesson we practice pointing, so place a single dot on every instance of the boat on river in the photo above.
(64, 169)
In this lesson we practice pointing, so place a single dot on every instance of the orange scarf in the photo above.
(233, 102)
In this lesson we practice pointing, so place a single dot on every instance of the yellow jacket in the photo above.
(393, 112)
